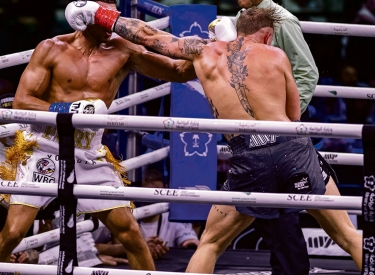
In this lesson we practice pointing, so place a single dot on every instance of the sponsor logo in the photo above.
(371, 96)
(69, 268)
(260, 140)
(369, 244)
(333, 92)
(187, 124)
(370, 182)
(6, 114)
(26, 54)
(99, 272)
(299, 197)
(195, 144)
(320, 242)
(195, 30)
(89, 109)
(301, 129)
(168, 124)
(9, 184)
(45, 168)
(302, 184)
(79, 3)
(340, 30)
(330, 156)
(166, 192)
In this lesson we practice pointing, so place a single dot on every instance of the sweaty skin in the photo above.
(243, 79)
(71, 67)
(89, 64)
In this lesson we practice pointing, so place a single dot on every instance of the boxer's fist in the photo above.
(222, 30)
(79, 14)
(85, 106)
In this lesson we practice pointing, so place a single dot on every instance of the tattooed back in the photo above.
(247, 80)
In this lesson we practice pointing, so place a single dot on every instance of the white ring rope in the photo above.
(333, 28)
(338, 29)
(344, 92)
(14, 59)
(223, 152)
(122, 103)
(304, 201)
(31, 269)
(181, 124)
(8, 130)
(86, 226)
(149, 158)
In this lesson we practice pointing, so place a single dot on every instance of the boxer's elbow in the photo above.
(185, 71)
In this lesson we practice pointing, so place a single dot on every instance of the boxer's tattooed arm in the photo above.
(191, 46)
(133, 23)
(159, 45)
(215, 112)
(152, 29)
(220, 211)
(127, 32)
(239, 71)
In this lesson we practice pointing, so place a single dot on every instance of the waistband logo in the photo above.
(45, 168)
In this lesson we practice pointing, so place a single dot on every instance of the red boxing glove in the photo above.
(106, 17)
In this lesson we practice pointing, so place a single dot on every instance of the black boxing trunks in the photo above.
(273, 164)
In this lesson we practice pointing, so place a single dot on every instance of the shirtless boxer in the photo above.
(244, 79)
(62, 73)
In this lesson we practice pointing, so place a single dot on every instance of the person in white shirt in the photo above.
(158, 230)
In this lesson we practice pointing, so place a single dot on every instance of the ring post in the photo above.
(193, 156)
(68, 203)
(368, 202)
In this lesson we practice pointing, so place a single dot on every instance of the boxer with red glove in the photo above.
(79, 14)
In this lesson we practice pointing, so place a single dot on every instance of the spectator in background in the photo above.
(159, 232)
(358, 111)
(359, 51)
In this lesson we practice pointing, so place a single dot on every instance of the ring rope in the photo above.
(122, 103)
(333, 28)
(304, 201)
(86, 226)
(223, 153)
(32, 269)
(181, 124)
(145, 159)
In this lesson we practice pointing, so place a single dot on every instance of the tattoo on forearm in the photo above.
(133, 23)
(159, 45)
(191, 46)
(151, 29)
(239, 72)
(215, 112)
(220, 211)
(126, 32)
(174, 39)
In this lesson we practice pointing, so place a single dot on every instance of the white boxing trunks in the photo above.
(94, 166)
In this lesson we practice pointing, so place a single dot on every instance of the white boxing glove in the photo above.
(79, 14)
(222, 30)
(85, 106)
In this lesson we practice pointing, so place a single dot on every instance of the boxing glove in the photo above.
(85, 106)
(222, 30)
(79, 14)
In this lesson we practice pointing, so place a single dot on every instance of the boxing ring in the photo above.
(19, 119)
